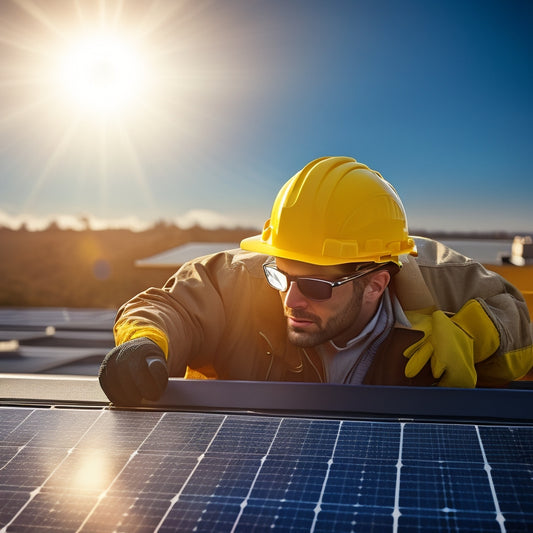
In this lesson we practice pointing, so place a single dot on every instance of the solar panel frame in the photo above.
(243, 456)
(320, 399)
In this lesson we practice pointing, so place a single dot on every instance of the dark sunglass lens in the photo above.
(314, 289)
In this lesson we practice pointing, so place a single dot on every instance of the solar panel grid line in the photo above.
(199, 459)
(318, 506)
(20, 450)
(396, 512)
(12, 430)
(244, 503)
(499, 516)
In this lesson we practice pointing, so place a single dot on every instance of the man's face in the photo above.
(310, 322)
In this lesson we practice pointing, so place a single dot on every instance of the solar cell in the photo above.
(102, 470)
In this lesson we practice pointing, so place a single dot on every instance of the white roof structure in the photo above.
(176, 257)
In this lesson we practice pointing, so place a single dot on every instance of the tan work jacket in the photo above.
(221, 319)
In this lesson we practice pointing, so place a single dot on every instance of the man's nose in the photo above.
(294, 298)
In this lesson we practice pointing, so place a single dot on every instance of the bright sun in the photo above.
(99, 93)
(102, 74)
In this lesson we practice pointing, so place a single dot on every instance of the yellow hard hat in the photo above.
(334, 211)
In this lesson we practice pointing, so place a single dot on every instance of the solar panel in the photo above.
(58, 340)
(179, 255)
(68, 469)
(57, 316)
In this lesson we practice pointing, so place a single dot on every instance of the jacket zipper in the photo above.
(269, 353)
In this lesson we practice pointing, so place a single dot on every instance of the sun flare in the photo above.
(102, 73)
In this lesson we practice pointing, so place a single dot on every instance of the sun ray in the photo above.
(19, 112)
(137, 167)
(36, 12)
(16, 39)
(60, 149)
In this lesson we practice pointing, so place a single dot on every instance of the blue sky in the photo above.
(238, 95)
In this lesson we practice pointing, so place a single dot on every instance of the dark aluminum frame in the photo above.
(300, 399)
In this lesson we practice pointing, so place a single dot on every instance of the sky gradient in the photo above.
(238, 95)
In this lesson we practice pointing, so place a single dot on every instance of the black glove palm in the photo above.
(132, 371)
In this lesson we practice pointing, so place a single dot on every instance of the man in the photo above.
(334, 289)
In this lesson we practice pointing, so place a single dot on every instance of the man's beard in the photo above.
(337, 324)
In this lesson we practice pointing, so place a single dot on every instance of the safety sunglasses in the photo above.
(312, 288)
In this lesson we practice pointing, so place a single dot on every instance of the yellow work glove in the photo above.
(452, 344)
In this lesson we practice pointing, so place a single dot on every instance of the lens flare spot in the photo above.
(101, 269)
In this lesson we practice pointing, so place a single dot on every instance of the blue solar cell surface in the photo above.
(67, 469)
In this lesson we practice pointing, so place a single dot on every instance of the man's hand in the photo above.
(449, 348)
(132, 371)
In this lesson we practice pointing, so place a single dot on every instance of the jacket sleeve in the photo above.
(451, 280)
(188, 316)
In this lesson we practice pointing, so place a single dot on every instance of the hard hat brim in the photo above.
(258, 245)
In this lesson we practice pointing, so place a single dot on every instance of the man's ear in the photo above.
(377, 283)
